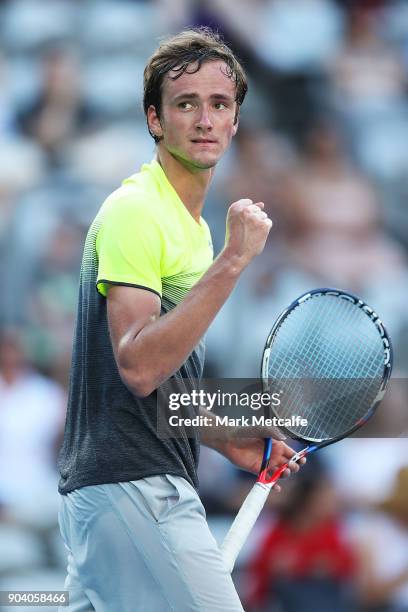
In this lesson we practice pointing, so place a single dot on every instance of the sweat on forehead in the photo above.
(193, 67)
(212, 74)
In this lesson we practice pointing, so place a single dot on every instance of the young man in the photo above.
(130, 515)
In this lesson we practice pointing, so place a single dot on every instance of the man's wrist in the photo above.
(217, 441)
(221, 440)
(233, 264)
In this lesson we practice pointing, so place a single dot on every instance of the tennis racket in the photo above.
(330, 357)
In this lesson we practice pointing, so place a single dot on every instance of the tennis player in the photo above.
(130, 517)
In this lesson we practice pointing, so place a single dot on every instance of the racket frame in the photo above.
(315, 444)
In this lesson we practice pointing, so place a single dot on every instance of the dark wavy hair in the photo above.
(186, 52)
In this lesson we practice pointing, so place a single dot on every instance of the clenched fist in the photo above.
(248, 227)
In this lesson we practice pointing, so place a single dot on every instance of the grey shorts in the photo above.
(142, 546)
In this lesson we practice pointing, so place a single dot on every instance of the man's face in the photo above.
(197, 115)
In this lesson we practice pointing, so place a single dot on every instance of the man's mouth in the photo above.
(203, 141)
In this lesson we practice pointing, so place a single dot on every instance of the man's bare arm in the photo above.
(149, 348)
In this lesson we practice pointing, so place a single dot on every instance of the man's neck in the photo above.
(190, 184)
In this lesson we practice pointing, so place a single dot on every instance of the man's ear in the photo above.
(153, 122)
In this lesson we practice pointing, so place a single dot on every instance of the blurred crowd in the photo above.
(323, 141)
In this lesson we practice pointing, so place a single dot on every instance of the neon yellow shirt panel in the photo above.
(147, 238)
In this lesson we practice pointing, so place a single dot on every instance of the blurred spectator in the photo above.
(40, 212)
(368, 73)
(384, 549)
(332, 209)
(335, 234)
(52, 300)
(21, 167)
(31, 421)
(368, 86)
(263, 159)
(305, 562)
(57, 114)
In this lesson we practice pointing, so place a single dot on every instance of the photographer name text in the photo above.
(242, 421)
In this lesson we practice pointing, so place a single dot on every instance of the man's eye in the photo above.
(220, 105)
(185, 105)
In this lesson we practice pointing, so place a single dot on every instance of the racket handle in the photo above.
(243, 523)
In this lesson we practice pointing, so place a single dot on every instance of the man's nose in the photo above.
(204, 119)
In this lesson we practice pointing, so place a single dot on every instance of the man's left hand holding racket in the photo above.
(247, 453)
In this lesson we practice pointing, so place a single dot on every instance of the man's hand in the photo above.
(248, 227)
(247, 453)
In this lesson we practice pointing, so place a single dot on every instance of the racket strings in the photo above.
(327, 358)
(317, 356)
(329, 405)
